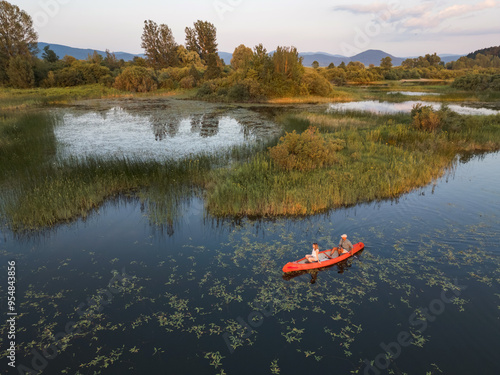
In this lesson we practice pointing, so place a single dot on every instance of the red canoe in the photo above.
(325, 259)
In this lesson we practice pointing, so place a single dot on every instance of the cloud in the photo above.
(427, 15)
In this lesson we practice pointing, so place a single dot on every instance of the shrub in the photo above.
(206, 89)
(478, 82)
(107, 80)
(316, 84)
(238, 93)
(136, 79)
(306, 151)
(187, 82)
(425, 118)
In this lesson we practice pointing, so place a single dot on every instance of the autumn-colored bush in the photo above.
(136, 79)
(425, 118)
(316, 84)
(306, 151)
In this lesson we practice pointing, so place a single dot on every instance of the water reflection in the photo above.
(413, 93)
(378, 107)
(210, 126)
(164, 127)
(156, 129)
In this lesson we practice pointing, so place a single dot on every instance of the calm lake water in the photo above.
(201, 296)
(375, 106)
(413, 93)
(156, 129)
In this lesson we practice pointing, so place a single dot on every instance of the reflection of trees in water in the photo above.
(247, 126)
(209, 125)
(164, 127)
(206, 125)
(196, 123)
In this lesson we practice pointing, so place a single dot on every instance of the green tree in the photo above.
(17, 36)
(95, 58)
(111, 62)
(386, 63)
(331, 66)
(213, 69)
(159, 45)
(49, 55)
(242, 57)
(315, 64)
(192, 41)
(287, 63)
(20, 72)
(188, 58)
(262, 63)
(202, 38)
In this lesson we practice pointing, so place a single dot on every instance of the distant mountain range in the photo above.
(81, 53)
(324, 59)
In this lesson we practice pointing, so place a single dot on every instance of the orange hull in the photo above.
(298, 266)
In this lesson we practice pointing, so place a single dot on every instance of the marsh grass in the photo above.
(380, 161)
(336, 96)
(40, 190)
(383, 157)
(22, 99)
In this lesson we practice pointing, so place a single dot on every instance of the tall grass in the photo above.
(380, 161)
(22, 99)
(39, 190)
(384, 156)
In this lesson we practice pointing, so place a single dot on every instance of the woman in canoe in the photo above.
(313, 257)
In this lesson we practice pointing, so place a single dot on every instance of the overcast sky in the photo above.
(340, 27)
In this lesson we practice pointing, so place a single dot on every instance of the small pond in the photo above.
(156, 129)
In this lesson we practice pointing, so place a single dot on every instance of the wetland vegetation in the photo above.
(368, 158)
(103, 288)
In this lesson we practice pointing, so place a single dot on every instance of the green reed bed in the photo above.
(15, 99)
(39, 190)
(382, 158)
(379, 157)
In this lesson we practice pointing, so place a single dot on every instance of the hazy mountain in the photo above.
(373, 56)
(80, 53)
(448, 57)
(323, 58)
(226, 57)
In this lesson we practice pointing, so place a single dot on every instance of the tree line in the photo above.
(252, 74)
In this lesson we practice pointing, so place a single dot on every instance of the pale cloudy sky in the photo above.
(402, 28)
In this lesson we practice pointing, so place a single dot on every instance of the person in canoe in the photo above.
(313, 257)
(344, 245)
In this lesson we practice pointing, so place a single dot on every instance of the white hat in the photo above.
(344, 235)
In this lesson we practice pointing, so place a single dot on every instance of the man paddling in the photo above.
(344, 245)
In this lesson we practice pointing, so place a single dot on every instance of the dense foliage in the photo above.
(478, 82)
(253, 74)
